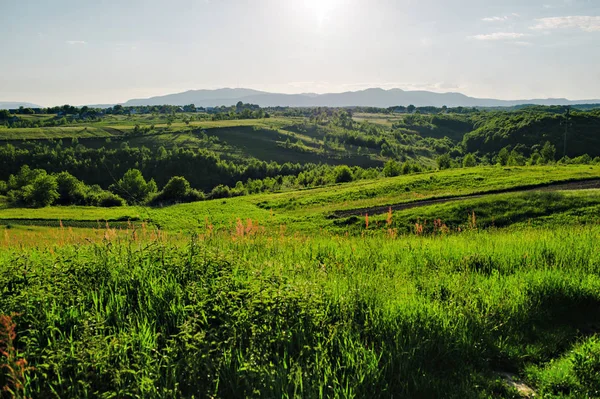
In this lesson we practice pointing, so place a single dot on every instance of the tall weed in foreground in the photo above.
(14, 365)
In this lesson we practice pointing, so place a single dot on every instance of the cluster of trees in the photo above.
(528, 129)
(239, 111)
(37, 188)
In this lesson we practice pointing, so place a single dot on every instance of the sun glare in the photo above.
(321, 10)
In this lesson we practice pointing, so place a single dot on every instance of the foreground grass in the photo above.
(265, 314)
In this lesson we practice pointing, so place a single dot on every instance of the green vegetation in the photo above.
(339, 253)
(261, 315)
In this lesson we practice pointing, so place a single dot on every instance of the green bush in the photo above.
(177, 190)
(342, 174)
(133, 187)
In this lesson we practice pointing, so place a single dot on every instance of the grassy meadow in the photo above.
(270, 314)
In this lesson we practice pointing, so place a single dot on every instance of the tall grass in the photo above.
(270, 314)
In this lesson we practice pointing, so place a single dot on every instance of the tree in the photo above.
(516, 158)
(342, 174)
(4, 114)
(177, 187)
(502, 157)
(391, 169)
(42, 192)
(71, 191)
(548, 152)
(133, 187)
(411, 108)
(469, 161)
(444, 161)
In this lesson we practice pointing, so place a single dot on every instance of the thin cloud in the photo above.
(495, 19)
(73, 42)
(498, 36)
(501, 18)
(583, 22)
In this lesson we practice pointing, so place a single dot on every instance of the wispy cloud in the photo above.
(74, 42)
(498, 36)
(583, 22)
(501, 18)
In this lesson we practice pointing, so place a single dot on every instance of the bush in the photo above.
(220, 191)
(109, 200)
(469, 161)
(177, 190)
(71, 191)
(444, 161)
(133, 187)
(391, 169)
(342, 174)
(42, 192)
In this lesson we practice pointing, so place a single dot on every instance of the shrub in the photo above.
(469, 161)
(133, 187)
(71, 191)
(220, 191)
(391, 168)
(342, 174)
(107, 199)
(444, 161)
(42, 192)
(176, 190)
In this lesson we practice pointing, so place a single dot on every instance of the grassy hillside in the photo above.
(316, 208)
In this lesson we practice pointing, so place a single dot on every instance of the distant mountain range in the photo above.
(15, 105)
(367, 98)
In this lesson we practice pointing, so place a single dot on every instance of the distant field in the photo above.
(379, 119)
(54, 133)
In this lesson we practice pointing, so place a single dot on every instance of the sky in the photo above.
(109, 51)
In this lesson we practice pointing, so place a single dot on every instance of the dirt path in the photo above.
(377, 210)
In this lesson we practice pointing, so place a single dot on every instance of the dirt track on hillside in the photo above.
(377, 210)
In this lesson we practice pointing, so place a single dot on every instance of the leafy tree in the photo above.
(342, 174)
(535, 159)
(71, 191)
(178, 189)
(516, 158)
(4, 114)
(548, 152)
(220, 191)
(444, 161)
(133, 187)
(391, 168)
(469, 161)
(43, 191)
(502, 157)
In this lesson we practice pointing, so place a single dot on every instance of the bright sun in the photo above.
(321, 9)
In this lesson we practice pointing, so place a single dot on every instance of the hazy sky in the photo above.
(107, 51)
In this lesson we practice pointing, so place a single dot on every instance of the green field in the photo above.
(284, 315)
